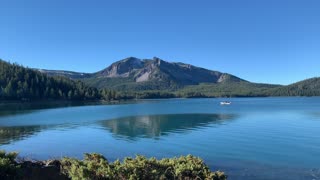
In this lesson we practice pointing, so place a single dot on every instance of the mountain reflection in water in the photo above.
(154, 126)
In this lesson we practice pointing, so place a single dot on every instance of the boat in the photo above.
(225, 103)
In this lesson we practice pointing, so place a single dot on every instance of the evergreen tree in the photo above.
(20, 83)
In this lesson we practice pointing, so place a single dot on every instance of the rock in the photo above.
(54, 162)
(38, 170)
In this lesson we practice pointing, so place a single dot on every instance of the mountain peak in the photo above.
(157, 71)
(121, 68)
(131, 60)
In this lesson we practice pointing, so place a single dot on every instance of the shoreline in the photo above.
(137, 99)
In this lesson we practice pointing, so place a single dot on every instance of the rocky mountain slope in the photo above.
(149, 74)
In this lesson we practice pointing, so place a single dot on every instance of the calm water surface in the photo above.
(254, 138)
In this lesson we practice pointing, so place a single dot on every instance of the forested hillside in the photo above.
(20, 83)
(308, 87)
(232, 89)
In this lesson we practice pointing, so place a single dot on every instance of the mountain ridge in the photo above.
(144, 72)
(163, 80)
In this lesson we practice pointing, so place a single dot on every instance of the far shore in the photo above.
(120, 101)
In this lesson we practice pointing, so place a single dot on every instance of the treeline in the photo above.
(20, 83)
(308, 87)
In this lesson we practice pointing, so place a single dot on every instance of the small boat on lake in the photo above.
(225, 103)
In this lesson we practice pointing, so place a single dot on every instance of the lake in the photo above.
(253, 138)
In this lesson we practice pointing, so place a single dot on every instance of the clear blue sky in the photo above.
(272, 41)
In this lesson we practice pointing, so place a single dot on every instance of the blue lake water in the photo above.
(253, 138)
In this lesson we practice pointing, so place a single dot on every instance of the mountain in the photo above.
(160, 70)
(149, 74)
(308, 87)
(138, 78)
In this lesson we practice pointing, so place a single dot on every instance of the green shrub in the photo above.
(8, 165)
(95, 166)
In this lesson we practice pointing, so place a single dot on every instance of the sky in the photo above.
(266, 41)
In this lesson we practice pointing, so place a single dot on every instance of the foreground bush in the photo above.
(95, 166)
(8, 167)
